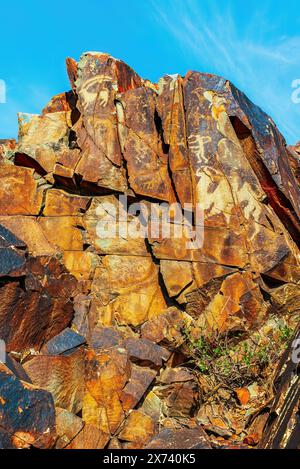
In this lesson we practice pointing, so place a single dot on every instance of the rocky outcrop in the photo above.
(163, 329)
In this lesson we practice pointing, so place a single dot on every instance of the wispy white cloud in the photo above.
(259, 62)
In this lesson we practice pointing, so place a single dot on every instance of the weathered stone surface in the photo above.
(153, 406)
(137, 387)
(7, 148)
(103, 213)
(114, 444)
(9, 240)
(65, 341)
(41, 138)
(144, 352)
(62, 102)
(239, 303)
(106, 375)
(82, 323)
(89, 437)
(68, 426)
(20, 193)
(126, 289)
(35, 296)
(62, 375)
(104, 338)
(81, 264)
(182, 278)
(97, 82)
(179, 391)
(137, 431)
(60, 203)
(27, 414)
(70, 238)
(31, 233)
(281, 428)
(294, 160)
(176, 375)
(16, 368)
(147, 162)
(166, 329)
(11, 257)
(171, 109)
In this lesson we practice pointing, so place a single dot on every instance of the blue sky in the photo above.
(256, 44)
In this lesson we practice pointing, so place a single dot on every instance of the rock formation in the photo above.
(124, 341)
(294, 156)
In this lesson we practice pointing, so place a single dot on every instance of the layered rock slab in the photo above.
(27, 414)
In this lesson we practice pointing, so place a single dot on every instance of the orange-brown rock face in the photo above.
(36, 296)
(149, 250)
(294, 159)
(27, 414)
